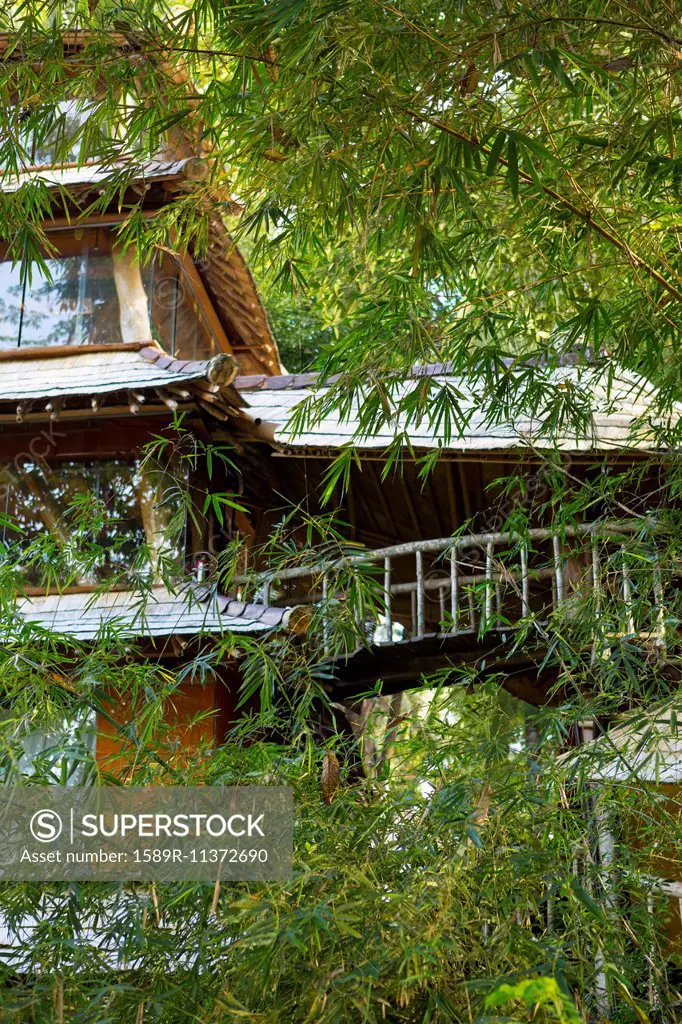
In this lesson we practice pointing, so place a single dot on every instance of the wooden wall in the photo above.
(198, 715)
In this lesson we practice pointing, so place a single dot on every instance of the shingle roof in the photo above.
(33, 377)
(230, 282)
(647, 748)
(91, 174)
(159, 613)
(615, 405)
(85, 372)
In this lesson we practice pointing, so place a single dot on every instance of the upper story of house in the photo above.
(88, 290)
(81, 180)
(101, 345)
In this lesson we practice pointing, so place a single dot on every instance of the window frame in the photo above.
(197, 298)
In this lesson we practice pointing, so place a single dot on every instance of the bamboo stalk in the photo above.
(216, 899)
(454, 584)
(59, 1001)
(525, 590)
(421, 625)
(558, 570)
(387, 600)
(627, 591)
(660, 608)
(325, 613)
(488, 582)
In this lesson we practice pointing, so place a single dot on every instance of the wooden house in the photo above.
(97, 359)
(453, 585)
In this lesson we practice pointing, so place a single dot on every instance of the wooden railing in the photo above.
(475, 582)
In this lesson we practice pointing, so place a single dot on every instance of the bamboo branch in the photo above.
(567, 204)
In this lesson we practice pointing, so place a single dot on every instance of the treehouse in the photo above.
(100, 353)
(455, 583)
(452, 588)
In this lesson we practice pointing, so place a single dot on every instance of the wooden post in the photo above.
(133, 303)
(421, 626)
(472, 611)
(387, 600)
(454, 584)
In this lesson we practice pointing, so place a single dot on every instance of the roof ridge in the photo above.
(298, 381)
(37, 352)
(153, 353)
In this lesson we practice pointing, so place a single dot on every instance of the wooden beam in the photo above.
(102, 220)
(214, 410)
(54, 407)
(180, 392)
(402, 665)
(95, 412)
(32, 352)
(207, 310)
(167, 399)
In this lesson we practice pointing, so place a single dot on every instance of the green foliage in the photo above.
(457, 872)
(427, 185)
(491, 184)
(536, 994)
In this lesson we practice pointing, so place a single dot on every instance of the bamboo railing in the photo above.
(480, 581)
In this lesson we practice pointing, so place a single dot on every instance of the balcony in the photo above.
(491, 602)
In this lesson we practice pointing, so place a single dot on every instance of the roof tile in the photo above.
(246, 383)
(159, 613)
(279, 383)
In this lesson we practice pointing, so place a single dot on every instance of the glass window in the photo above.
(99, 517)
(67, 117)
(61, 755)
(177, 318)
(44, 136)
(91, 294)
(76, 305)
